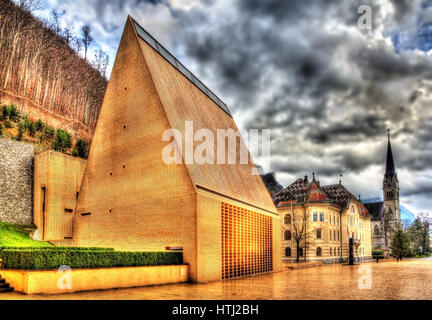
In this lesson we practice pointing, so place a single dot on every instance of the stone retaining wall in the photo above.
(16, 182)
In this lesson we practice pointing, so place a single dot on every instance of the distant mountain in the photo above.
(405, 213)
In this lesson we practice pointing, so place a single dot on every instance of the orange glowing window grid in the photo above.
(246, 242)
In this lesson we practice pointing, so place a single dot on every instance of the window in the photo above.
(287, 252)
(376, 230)
(321, 216)
(68, 210)
(318, 252)
(330, 235)
(334, 234)
(352, 209)
(287, 235)
(301, 252)
(287, 219)
(315, 217)
(318, 233)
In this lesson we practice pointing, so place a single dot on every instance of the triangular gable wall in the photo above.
(183, 101)
(129, 198)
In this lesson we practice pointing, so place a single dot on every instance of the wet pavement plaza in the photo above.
(409, 279)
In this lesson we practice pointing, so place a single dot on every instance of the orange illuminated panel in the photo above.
(246, 242)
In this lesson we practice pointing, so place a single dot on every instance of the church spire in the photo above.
(390, 167)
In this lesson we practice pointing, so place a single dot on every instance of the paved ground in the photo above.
(409, 279)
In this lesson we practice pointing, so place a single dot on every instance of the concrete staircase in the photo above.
(4, 286)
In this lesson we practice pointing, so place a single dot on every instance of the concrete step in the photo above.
(4, 290)
(2, 280)
(4, 285)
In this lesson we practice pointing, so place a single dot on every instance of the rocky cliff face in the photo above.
(16, 182)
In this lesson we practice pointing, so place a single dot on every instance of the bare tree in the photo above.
(55, 21)
(101, 61)
(76, 44)
(68, 33)
(302, 231)
(87, 39)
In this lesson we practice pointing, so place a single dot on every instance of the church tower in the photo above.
(391, 188)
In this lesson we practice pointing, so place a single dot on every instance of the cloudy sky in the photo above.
(326, 89)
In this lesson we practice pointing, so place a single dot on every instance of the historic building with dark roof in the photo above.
(317, 222)
(386, 214)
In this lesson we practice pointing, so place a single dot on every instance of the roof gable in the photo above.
(315, 193)
(183, 100)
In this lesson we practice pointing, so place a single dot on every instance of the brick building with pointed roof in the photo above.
(220, 215)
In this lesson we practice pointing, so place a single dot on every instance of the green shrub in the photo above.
(40, 125)
(62, 140)
(53, 259)
(48, 132)
(81, 149)
(21, 129)
(6, 112)
(14, 114)
(1, 130)
(377, 254)
(8, 124)
(27, 122)
(32, 129)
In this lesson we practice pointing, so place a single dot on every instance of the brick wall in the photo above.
(16, 181)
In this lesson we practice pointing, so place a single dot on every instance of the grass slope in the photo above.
(13, 235)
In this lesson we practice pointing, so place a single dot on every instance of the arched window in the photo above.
(287, 252)
(318, 233)
(319, 252)
(352, 209)
(376, 230)
(287, 235)
(287, 219)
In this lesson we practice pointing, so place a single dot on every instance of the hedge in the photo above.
(58, 248)
(53, 259)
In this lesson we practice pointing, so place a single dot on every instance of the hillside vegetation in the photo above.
(44, 75)
(45, 137)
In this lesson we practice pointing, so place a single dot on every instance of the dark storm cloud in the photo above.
(358, 127)
(302, 68)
